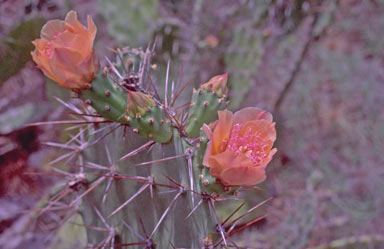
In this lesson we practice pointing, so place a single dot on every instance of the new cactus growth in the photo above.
(206, 101)
(146, 118)
(157, 190)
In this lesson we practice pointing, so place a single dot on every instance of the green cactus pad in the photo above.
(106, 98)
(204, 109)
(152, 125)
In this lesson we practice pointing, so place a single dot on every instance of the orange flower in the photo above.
(240, 146)
(65, 52)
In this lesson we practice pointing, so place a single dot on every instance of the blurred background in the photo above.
(316, 65)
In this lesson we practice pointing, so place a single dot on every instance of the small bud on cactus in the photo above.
(240, 146)
(147, 118)
(206, 101)
(217, 84)
(65, 52)
(138, 103)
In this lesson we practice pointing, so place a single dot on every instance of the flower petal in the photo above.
(43, 63)
(222, 131)
(242, 176)
(40, 44)
(251, 113)
(52, 28)
(72, 23)
(264, 128)
(208, 154)
(267, 159)
(227, 159)
(207, 130)
(64, 65)
(91, 29)
(68, 57)
(79, 43)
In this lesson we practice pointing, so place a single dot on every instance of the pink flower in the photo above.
(240, 146)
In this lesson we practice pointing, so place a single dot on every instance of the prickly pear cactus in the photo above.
(139, 178)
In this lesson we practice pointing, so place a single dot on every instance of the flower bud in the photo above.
(65, 52)
(138, 103)
(217, 84)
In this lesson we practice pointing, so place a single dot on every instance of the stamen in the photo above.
(251, 144)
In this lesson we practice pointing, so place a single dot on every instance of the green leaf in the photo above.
(16, 49)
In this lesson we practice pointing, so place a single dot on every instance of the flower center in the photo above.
(250, 143)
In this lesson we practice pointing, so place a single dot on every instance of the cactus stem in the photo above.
(219, 227)
(130, 199)
(134, 232)
(160, 160)
(109, 184)
(194, 209)
(181, 191)
(138, 150)
(93, 186)
(233, 213)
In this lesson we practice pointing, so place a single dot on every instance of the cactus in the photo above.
(151, 191)
(206, 101)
